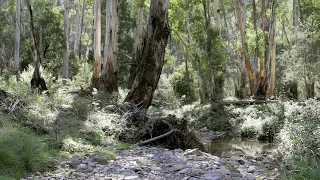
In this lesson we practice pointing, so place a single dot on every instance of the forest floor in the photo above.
(76, 131)
(160, 164)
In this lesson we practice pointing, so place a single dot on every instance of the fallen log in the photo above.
(247, 102)
(155, 138)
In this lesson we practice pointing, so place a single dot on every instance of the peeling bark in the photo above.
(152, 55)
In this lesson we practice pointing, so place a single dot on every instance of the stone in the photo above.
(183, 171)
(251, 169)
(81, 167)
(89, 169)
(211, 176)
(249, 176)
(258, 158)
(249, 157)
(223, 154)
(75, 157)
(235, 174)
(195, 151)
(223, 171)
(240, 161)
(177, 167)
(177, 150)
(91, 164)
(150, 155)
(185, 178)
(131, 177)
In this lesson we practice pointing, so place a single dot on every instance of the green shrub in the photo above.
(83, 77)
(299, 144)
(183, 85)
(124, 146)
(262, 122)
(21, 151)
(164, 94)
(92, 137)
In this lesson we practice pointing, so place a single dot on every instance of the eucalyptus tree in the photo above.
(152, 56)
(109, 78)
(65, 68)
(137, 44)
(17, 42)
(97, 45)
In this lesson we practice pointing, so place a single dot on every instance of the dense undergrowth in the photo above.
(42, 129)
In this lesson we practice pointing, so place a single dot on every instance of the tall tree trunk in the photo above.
(109, 79)
(37, 82)
(40, 47)
(152, 55)
(189, 44)
(224, 14)
(209, 30)
(137, 46)
(22, 22)
(261, 89)
(97, 49)
(241, 21)
(217, 15)
(294, 13)
(272, 44)
(65, 68)
(254, 15)
(273, 62)
(81, 24)
(76, 39)
(107, 35)
(17, 42)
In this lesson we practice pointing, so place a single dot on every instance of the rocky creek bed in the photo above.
(161, 164)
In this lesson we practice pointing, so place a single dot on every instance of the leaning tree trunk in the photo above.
(109, 78)
(152, 55)
(37, 82)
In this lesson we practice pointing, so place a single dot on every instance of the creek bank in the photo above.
(161, 164)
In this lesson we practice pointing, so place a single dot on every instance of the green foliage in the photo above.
(74, 65)
(83, 77)
(124, 146)
(183, 85)
(92, 137)
(304, 167)
(110, 155)
(262, 122)
(127, 28)
(21, 150)
(164, 95)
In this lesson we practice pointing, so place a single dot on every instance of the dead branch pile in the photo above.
(8, 102)
(136, 126)
(12, 105)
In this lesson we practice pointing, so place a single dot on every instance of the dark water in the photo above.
(239, 147)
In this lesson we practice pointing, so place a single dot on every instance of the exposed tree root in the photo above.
(136, 126)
